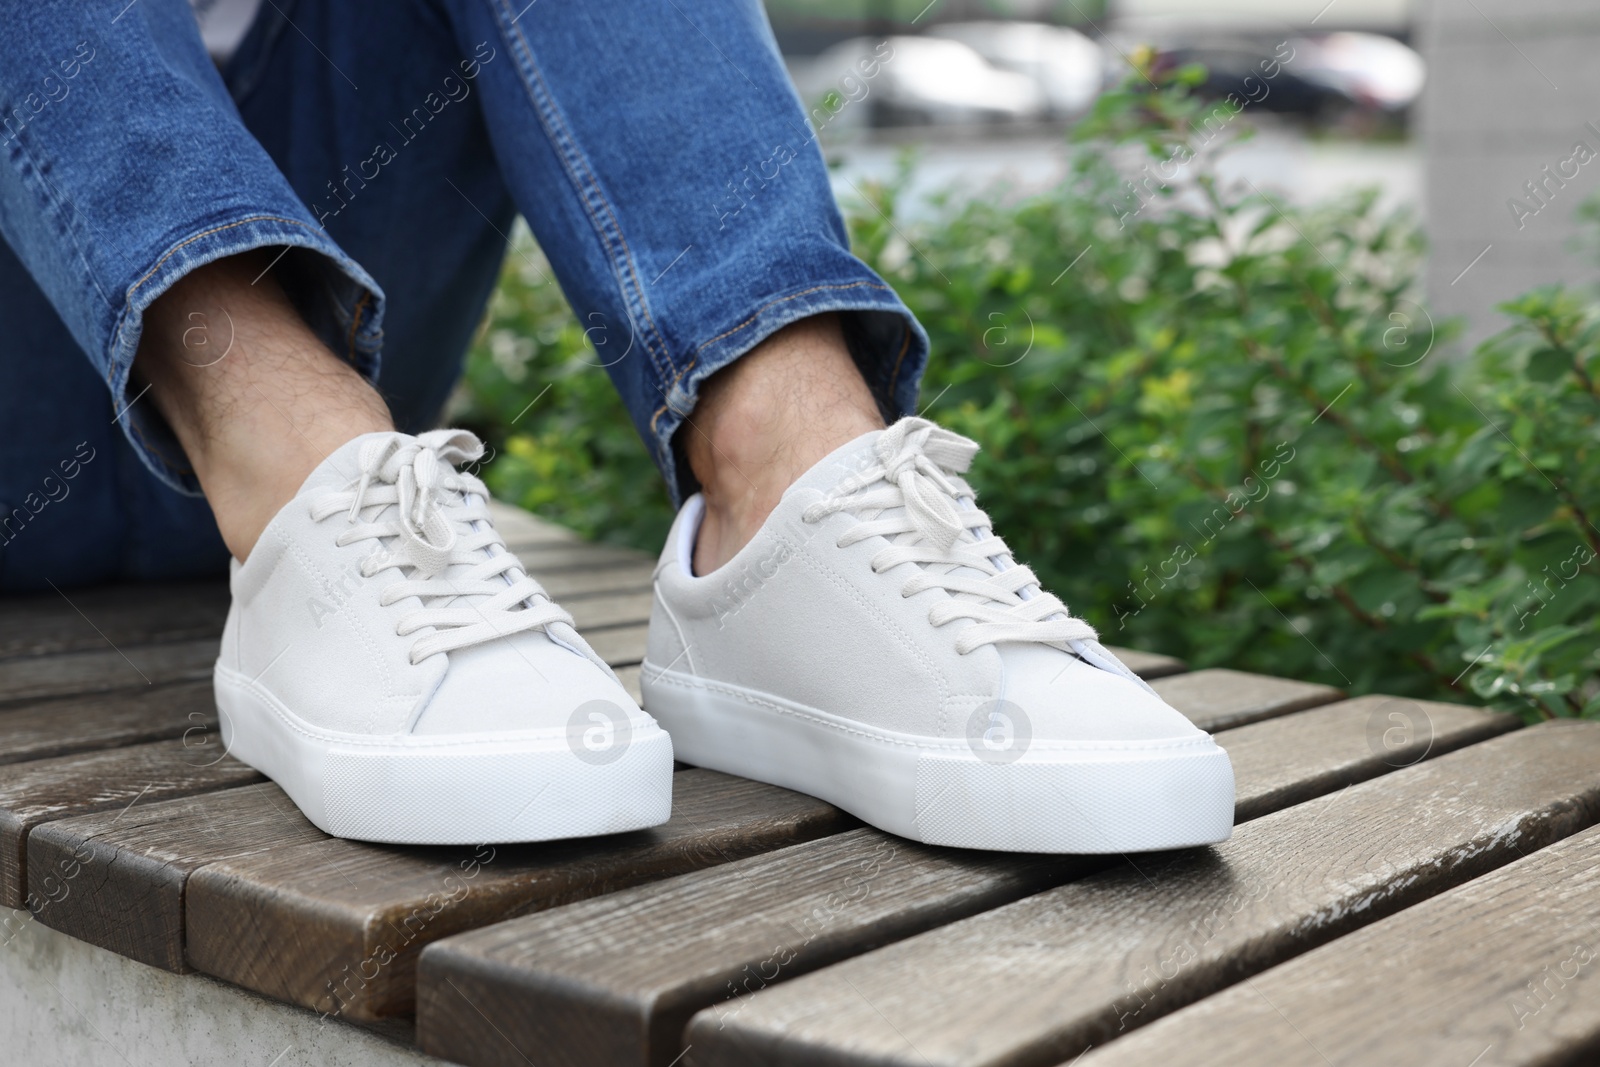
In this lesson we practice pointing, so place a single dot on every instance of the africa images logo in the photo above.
(599, 732)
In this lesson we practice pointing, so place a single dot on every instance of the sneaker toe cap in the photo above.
(526, 683)
(1073, 701)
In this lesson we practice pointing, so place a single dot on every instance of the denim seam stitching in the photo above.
(666, 395)
(894, 375)
(128, 296)
(780, 300)
(355, 325)
(150, 447)
(572, 158)
(207, 233)
(656, 418)
(144, 441)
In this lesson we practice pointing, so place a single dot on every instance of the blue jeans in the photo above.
(655, 147)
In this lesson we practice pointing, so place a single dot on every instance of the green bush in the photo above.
(559, 438)
(1219, 426)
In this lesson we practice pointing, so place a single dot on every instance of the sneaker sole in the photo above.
(1092, 798)
(495, 789)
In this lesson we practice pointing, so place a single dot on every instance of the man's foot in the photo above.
(253, 396)
(875, 645)
(763, 421)
(389, 664)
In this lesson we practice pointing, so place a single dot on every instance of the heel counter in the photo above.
(665, 645)
(228, 651)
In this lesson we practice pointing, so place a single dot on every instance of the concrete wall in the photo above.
(1513, 86)
(64, 1002)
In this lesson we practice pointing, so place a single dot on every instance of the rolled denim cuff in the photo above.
(337, 299)
(887, 342)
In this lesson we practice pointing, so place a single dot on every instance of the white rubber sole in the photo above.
(421, 790)
(1088, 798)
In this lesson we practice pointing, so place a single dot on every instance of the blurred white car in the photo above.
(1066, 65)
(1374, 70)
(916, 81)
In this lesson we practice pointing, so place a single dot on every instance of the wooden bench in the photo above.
(1410, 882)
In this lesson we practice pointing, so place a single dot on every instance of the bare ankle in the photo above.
(765, 420)
(255, 399)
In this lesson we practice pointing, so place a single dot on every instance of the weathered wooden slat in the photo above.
(145, 856)
(1499, 971)
(614, 980)
(564, 585)
(1340, 744)
(95, 619)
(110, 720)
(337, 925)
(103, 618)
(1148, 665)
(41, 790)
(127, 667)
(577, 556)
(609, 609)
(619, 646)
(1219, 699)
(1040, 980)
(31, 679)
(138, 666)
(629, 677)
(525, 528)
(132, 902)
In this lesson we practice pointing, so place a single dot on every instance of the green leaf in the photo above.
(1547, 364)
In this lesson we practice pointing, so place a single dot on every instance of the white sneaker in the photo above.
(389, 664)
(875, 645)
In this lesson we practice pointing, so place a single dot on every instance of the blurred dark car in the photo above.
(1324, 79)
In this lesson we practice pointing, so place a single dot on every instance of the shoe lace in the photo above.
(914, 493)
(432, 520)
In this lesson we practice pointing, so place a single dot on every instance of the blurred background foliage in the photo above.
(1218, 425)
